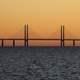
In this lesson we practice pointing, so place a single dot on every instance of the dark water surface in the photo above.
(40, 63)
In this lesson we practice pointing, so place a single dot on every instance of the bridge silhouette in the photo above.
(26, 38)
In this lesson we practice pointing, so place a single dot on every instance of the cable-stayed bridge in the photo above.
(26, 38)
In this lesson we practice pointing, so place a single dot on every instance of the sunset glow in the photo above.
(43, 16)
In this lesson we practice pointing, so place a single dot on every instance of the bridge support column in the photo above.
(62, 35)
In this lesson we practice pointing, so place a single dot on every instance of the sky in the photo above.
(43, 16)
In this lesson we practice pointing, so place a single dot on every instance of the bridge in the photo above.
(26, 38)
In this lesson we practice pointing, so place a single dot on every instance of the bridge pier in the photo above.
(62, 35)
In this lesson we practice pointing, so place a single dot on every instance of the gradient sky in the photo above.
(43, 16)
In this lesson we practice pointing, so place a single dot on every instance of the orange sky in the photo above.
(43, 16)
